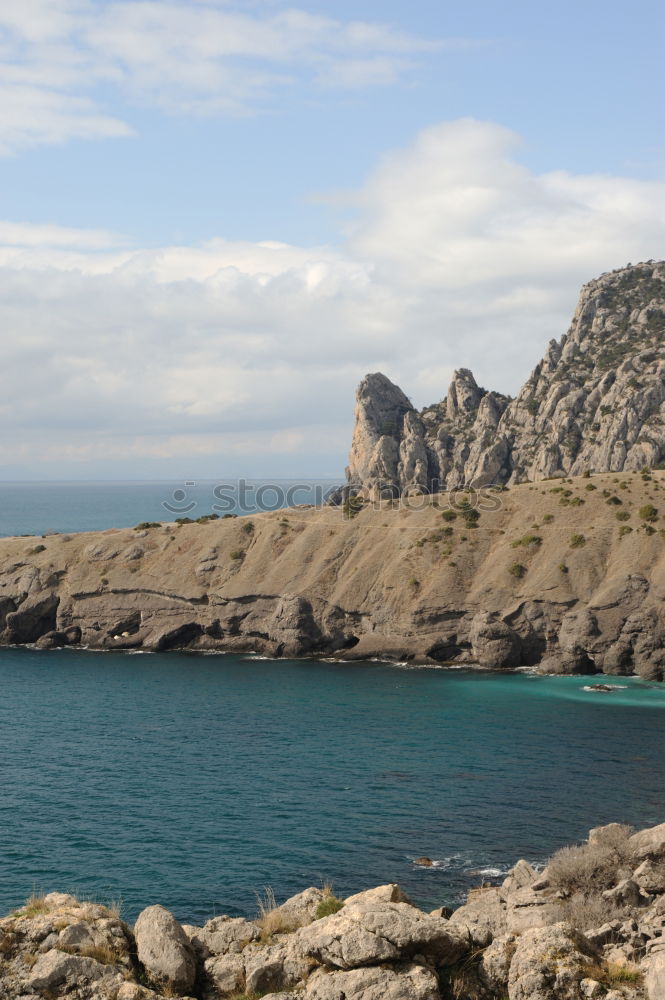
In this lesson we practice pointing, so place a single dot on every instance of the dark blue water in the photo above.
(196, 781)
(37, 508)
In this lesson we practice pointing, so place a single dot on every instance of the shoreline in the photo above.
(526, 585)
(589, 924)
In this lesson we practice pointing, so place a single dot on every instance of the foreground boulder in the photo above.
(590, 926)
(410, 982)
(372, 932)
(164, 949)
(549, 964)
(57, 969)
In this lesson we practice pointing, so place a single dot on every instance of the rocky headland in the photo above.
(564, 575)
(505, 533)
(591, 925)
(596, 402)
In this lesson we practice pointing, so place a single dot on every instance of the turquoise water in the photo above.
(195, 781)
(37, 508)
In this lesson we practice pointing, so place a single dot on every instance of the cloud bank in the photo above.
(244, 356)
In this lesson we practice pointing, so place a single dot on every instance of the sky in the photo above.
(217, 217)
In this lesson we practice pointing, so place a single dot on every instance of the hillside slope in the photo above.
(569, 574)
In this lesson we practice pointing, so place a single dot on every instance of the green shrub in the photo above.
(648, 512)
(577, 541)
(614, 501)
(649, 529)
(36, 550)
(146, 524)
(563, 567)
(622, 515)
(329, 904)
(576, 501)
(625, 529)
(517, 570)
(248, 528)
(207, 517)
(237, 554)
(527, 540)
(184, 520)
(449, 515)
(352, 506)
(548, 518)
(471, 517)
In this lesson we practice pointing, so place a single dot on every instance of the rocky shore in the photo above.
(590, 925)
(566, 575)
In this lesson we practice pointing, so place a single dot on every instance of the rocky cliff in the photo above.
(591, 925)
(595, 402)
(567, 576)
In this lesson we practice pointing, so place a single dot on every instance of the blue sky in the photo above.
(216, 217)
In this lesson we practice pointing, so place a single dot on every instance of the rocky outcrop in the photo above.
(595, 402)
(164, 950)
(550, 963)
(569, 932)
(563, 577)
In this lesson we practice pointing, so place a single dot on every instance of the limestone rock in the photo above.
(648, 843)
(654, 978)
(301, 908)
(278, 966)
(596, 401)
(549, 963)
(650, 877)
(225, 973)
(367, 933)
(390, 893)
(163, 948)
(627, 893)
(483, 917)
(33, 618)
(52, 970)
(495, 962)
(409, 982)
(610, 835)
(494, 644)
(521, 876)
(222, 935)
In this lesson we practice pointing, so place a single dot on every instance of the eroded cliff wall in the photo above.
(570, 575)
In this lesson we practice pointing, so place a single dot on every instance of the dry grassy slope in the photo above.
(385, 582)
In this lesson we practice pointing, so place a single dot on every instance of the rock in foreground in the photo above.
(570, 932)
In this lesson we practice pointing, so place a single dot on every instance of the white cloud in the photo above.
(194, 59)
(28, 234)
(458, 256)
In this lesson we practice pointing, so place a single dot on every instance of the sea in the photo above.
(200, 781)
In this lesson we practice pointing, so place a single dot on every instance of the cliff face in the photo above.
(570, 576)
(595, 402)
